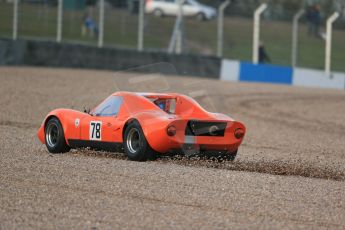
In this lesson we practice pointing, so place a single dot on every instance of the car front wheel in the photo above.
(55, 137)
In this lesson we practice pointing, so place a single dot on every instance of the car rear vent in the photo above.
(205, 128)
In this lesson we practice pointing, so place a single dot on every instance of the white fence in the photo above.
(140, 28)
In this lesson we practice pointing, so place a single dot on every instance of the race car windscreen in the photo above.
(167, 105)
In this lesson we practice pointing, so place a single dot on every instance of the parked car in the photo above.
(191, 8)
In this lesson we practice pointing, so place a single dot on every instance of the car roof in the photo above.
(149, 95)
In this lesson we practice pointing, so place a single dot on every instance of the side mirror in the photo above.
(87, 110)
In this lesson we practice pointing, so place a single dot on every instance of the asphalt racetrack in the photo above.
(289, 174)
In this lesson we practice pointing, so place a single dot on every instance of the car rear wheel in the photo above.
(135, 144)
(230, 156)
(158, 13)
(220, 156)
(55, 137)
(201, 17)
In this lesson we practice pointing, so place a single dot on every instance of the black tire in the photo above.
(230, 156)
(55, 137)
(135, 144)
(158, 13)
(201, 17)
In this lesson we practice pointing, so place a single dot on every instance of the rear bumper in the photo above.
(182, 141)
(198, 144)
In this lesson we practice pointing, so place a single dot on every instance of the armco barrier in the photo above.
(265, 73)
(318, 79)
(230, 70)
(52, 54)
(236, 71)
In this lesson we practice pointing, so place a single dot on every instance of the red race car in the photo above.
(143, 124)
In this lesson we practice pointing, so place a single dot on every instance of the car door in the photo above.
(170, 7)
(190, 8)
(102, 125)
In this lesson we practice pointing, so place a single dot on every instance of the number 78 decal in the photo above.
(95, 130)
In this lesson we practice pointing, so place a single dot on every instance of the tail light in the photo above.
(171, 131)
(239, 133)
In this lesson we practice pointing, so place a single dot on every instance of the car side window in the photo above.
(110, 107)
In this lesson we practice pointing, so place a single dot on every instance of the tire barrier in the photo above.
(52, 54)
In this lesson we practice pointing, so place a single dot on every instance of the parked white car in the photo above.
(191, 8)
